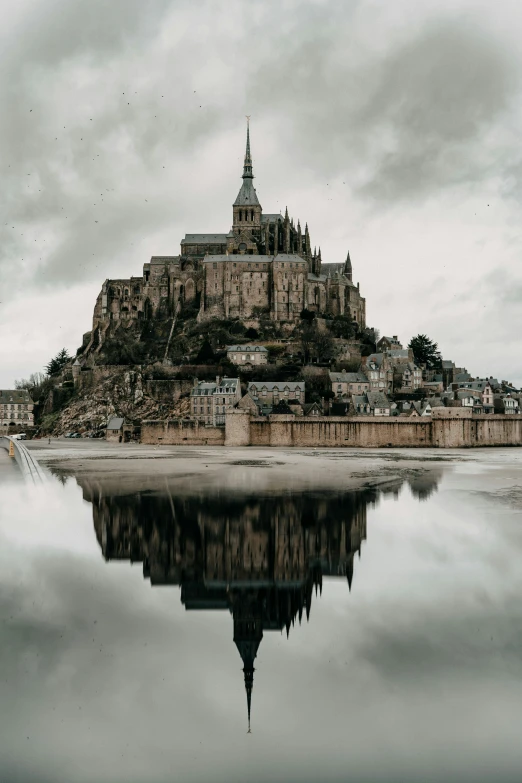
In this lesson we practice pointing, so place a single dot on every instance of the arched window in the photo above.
(240, 215)
(252, 215)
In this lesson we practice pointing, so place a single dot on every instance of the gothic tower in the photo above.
(247, 209)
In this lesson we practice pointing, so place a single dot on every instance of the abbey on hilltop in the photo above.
(263, 266)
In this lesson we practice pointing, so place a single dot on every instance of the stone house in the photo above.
(361, 405)
(209, 401)
(387, 343)
(114, 431)
(398, 356)
(344, 384)
(379, 371)
(16, 409)
(506, 404)
(379, 403)
(371, 404)
(432, 387)
(313, 409)
(248, 403)
(269, 393)
(244, 355)
(411, 377)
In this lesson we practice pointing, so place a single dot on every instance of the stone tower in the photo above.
(246, 226)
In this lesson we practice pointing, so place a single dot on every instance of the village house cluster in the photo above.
(388, 383)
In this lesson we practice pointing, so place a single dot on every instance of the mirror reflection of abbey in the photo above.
(262, 558)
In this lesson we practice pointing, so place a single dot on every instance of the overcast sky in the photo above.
(393, 129)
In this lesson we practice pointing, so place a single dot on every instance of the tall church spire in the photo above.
(247, 166)
(247, 195)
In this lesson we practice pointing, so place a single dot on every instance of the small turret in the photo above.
(348, 267)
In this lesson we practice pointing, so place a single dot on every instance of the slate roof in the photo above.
(115, 423)
(375, 358)
(398, 353)
(292, 386)
(460, 394)
(161, 260)
(348, 377)
(247, 259)
(447, 364)
(377, 399)
(247, 348)
(310, 406)
(271, 217)
(247, 195)
(17, 396)
(228, 384)
(203, 389)
(204, 239)
(359, 399)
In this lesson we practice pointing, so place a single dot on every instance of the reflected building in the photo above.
(259, 557)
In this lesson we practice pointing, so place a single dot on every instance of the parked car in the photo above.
(76, 435)
(20, 436)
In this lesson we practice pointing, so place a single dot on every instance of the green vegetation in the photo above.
(425, 352)
(56, 365)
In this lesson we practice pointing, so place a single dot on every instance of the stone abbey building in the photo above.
(263, 267)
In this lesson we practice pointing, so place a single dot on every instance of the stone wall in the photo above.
(243, 429)
(181, 433)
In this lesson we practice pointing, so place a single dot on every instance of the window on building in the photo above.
(240, 214)
(252, 214)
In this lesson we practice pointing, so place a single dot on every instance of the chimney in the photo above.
(218, 380)
(195, 383)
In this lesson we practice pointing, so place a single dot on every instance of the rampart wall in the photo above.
(243, 429)
(181, 433)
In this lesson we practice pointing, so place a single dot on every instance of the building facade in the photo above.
(270, 393)
(263, 266)
(343, 384)
(16, 409)
(244, 355)
(209, 401)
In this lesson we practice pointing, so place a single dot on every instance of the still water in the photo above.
(275, 635)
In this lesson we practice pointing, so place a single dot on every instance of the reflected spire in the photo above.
(249, 684)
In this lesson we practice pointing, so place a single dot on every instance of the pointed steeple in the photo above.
(247, 195)
(348, 266)
(247, 166)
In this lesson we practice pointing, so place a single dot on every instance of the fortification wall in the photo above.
(242, 429)
(181, 433)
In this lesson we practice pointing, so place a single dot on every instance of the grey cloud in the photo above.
(401, 124)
